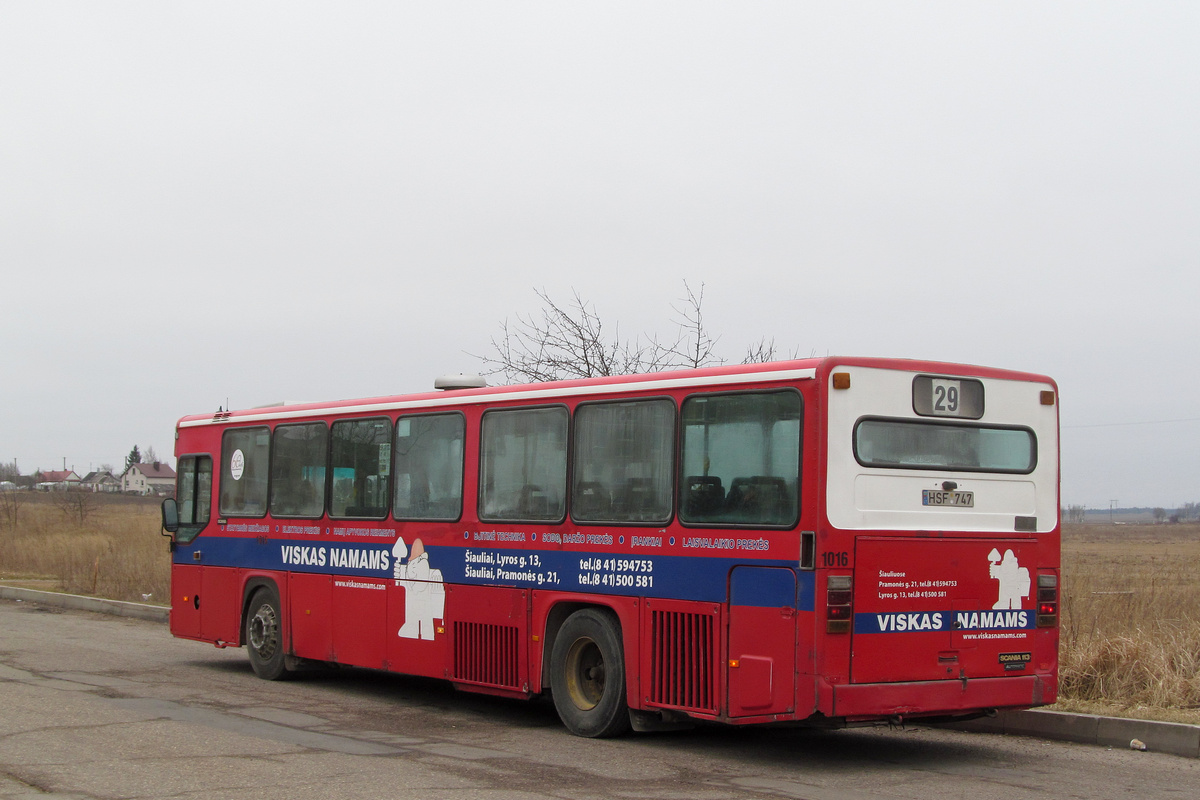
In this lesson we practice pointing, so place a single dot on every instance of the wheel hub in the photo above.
(585, 674)
(264, 632)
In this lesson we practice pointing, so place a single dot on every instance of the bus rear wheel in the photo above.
(264, 635)
(587, 675)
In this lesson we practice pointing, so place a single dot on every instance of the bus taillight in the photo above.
(839, 597)
(1047, 600)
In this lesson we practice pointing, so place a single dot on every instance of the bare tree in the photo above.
(10, 506)
(693, 346)
(764, 350)
(76, 504)
(9, 471)
(1075, 513)
(572, 341)
(760, 352)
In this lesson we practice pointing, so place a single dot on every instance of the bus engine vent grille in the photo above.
(683, 673)
(486, 654)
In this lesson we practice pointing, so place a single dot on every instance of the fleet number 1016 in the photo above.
(832, 559)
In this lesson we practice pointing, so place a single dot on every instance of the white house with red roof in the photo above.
(51, 479)
(156, 478)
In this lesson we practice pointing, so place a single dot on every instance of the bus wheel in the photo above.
(587, 675)
(264, 635)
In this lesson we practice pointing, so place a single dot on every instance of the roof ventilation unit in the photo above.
(449, 383)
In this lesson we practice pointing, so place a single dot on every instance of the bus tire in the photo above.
(587, 675)
(264, 635)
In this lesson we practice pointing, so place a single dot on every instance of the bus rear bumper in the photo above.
(939, 698)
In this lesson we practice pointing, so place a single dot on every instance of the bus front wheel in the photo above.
(587, 675)
(264, 635)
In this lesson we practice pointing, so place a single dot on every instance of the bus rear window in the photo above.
(902, 444)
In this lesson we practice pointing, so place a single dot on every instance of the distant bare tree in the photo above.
(76, 504)
(1075, 513)
(572, 341)
(149, 456)
(9, 471)
(764, 350)
(10, 507)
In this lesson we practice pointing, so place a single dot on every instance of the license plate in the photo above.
(929, 497)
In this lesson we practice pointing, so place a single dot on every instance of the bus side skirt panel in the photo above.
(221, 601)
(310, 614)
(488, 628)
(185, 609)
(682, 664)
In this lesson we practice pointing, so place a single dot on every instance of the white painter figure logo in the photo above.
(1014, 579)
(424, 594)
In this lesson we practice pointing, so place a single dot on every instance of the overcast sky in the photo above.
(258, 202)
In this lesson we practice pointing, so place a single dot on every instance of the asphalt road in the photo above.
(93, 706)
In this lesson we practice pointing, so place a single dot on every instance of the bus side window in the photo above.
(523, 465)
(245, 456)
(298, 470)
(194, 494)
(741, 459)
(624, 457)
(361, 464)
(429, 467)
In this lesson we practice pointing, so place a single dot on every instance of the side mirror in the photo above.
(170, 516)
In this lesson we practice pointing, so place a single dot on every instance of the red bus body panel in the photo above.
(716, 623)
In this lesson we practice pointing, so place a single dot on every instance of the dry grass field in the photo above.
(1131, 621)
(114, 551)
(1130, 596)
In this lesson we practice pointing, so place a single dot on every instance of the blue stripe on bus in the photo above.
(701, 578)
(765, 587)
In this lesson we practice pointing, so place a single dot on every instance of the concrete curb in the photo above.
(1159, 737)
(81, 603)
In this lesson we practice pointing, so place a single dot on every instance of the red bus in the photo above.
(826, 541)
